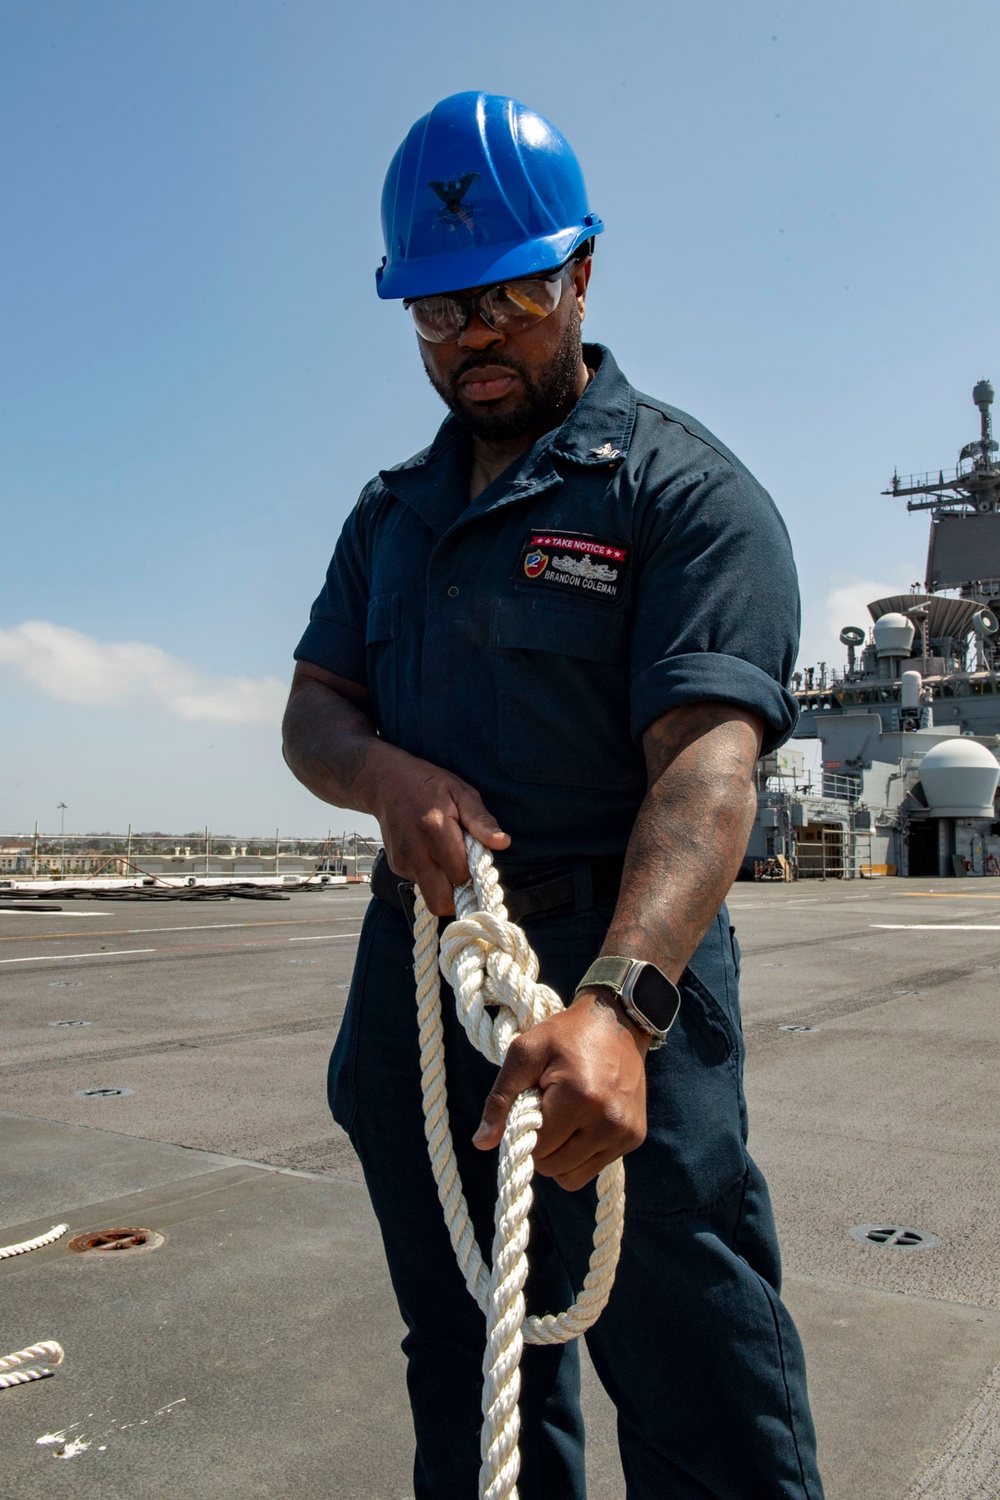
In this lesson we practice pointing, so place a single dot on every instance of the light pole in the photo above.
(61, 809)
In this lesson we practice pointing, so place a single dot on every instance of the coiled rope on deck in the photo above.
(49, 1351)
(488, 961)
(36, 1244)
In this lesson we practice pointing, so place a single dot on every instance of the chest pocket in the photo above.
(382, 653)
(562, 686)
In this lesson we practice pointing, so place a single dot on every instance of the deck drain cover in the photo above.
(116, 1241)
(103, 1093)
(798, 1028)
(302, 960)
(895, 1237)
(69, 1023)
(65, 984)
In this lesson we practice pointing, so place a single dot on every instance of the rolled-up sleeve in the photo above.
(335, 635)
(716, 603)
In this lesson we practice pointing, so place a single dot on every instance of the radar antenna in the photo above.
(964, 545)
(974, 486)
(852, 636)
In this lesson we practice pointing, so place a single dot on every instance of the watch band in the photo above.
(609, 970)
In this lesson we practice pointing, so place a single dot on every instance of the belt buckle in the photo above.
(408, 902)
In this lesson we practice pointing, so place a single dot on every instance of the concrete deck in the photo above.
(256, 1350)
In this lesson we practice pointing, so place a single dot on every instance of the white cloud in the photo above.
(75, 668)
(844, 604)
(847, 604)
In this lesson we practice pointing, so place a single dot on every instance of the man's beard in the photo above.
(544, 402)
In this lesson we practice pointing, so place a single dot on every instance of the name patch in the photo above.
(583, 566)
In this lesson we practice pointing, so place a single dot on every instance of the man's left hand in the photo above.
(589, 1063)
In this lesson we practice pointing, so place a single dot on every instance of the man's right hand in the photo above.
(424, 813)
(331, 745)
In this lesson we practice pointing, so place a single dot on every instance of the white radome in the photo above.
(893, 635)
(959, 778)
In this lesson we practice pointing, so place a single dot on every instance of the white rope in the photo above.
(50, 1351)
(22, 1377)
(36, 1244)
(488, 961)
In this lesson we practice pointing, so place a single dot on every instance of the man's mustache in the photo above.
(483, 361)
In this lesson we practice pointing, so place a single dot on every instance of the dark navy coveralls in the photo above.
(625, 565)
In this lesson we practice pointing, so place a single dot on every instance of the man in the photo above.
(574, 613)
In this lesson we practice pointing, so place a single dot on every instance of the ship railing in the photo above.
(932, 479)
(841, 789)
(170, 859)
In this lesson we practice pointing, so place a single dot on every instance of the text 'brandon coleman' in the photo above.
(574, 581)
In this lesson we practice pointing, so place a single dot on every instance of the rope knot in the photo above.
(489, 962)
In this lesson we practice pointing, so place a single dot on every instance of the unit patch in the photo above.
(574, 564)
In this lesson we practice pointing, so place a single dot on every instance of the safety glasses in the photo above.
(508, 306)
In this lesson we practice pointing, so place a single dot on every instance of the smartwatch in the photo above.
(648, 997)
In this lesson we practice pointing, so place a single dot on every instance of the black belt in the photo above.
(542, 891)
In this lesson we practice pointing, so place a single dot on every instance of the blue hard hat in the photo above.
(481, 190)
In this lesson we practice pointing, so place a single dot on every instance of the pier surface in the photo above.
(256, 1350)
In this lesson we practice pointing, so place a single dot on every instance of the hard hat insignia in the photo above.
(455, 212)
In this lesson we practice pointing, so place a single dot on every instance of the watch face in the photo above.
(655, 996)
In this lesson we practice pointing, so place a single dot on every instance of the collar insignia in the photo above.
(605, 451)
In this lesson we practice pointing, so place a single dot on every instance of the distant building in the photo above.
(15, 859)
(19, 859)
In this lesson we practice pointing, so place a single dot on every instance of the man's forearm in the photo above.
(685, 849)
(690, 834)
(424, 811)
(328, 743)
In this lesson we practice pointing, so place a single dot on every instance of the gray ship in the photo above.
(910, 726)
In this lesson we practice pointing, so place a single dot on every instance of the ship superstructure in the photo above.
(923, 678)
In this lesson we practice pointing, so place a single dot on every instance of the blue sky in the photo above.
(197, 377)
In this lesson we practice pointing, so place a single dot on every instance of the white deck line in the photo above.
(937, 926)
(40, 958)
(323, 937)
(37, 958)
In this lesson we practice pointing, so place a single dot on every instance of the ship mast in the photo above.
(972, 485)
(964, 546)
